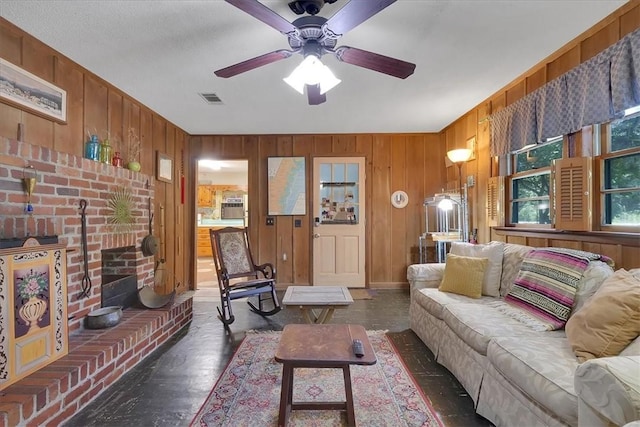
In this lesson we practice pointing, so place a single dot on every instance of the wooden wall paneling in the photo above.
(599, 41)
(537, 242)
(161, 190)
(115, 113)
(343, 144)
(178, 210)
(145, 134)
(379, 210)
(518, 240)
(95, 106)
(10, 42)
(323, 145)
(158, 141)
(70, 137)
(483, 172)
(536, 80)
(364, 145)
(398, 221)
(170, 208)
(267, 244)
(630, 21)
(515, 92)
(564, 63)
(254, 192)
(302, 253)
(38, 59)
(11, 117)
(233, 147)
(630, 258)
(416, 153)
(471, 124)
(38, 130)
(570, 244)
(284, 223)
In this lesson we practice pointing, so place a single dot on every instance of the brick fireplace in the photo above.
(119, 277)
(96, 358)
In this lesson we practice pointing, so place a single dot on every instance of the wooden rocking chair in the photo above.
(239, 276)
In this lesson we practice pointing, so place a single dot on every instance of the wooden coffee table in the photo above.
(320, 346)
(323, 298)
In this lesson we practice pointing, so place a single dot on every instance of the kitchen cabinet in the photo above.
(205, 196)
(204, 243)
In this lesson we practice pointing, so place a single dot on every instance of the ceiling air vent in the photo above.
(211, 98)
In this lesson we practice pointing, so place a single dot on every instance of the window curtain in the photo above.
(596, 91)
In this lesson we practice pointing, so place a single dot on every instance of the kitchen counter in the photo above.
(204, 240)
(221, 223)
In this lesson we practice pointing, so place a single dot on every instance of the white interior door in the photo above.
(339, 212)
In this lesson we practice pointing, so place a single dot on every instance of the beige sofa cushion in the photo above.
(477, 324)
(493, 251)
(609, 321)
(463, 275)
(434, 301)
(543, 368)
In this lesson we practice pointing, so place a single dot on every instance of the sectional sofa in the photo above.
(516, 371)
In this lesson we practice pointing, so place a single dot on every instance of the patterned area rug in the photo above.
(248, 391)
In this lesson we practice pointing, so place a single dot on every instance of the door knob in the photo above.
(316, 235)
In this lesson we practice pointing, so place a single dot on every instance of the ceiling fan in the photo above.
(313, 36)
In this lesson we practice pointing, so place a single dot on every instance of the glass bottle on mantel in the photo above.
(92, 148)
(117, 160)
(105, 152)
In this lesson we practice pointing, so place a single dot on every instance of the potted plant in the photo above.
(133, 155)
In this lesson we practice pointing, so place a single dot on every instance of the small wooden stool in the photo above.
(320, 346)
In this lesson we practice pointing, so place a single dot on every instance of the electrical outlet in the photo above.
(297, 223)
(271, 220)
(471, 181)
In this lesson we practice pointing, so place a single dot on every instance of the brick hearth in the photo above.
(96, 359)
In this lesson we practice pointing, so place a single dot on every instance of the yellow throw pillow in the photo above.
(609, 320)
(464, 275)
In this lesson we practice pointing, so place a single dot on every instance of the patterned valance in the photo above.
(596, 91)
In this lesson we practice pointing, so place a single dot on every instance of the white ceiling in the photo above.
(164, 53)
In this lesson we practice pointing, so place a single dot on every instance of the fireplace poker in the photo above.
(86, 280)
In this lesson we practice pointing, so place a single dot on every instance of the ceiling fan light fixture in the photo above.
(312, 71)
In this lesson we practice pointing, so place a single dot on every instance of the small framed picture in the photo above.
(164, 167)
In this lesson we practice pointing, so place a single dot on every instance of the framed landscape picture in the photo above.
(25, 90)
(287, 185)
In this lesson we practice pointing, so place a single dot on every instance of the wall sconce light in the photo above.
(29, 180)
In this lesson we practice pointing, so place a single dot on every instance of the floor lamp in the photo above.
(458, 157)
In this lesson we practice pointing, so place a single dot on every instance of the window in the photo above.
(530, 193)
(620, 178)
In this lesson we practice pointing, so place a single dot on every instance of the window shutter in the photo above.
(495, 197)
(572, 199)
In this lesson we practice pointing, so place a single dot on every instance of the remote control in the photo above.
(358, 350)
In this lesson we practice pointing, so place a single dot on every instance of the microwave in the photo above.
(232, 211)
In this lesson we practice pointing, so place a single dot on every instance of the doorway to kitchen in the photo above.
(221, 201)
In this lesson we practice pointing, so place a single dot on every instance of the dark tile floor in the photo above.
(170, 385)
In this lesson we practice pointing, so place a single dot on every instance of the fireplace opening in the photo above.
(119, 277)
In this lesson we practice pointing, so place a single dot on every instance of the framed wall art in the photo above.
(286, 182)
(164, 168)
(25, 90)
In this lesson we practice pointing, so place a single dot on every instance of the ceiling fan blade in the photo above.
(314, 95)
(374, 61)
(250, 64)
(353, 14)
(266, 15)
